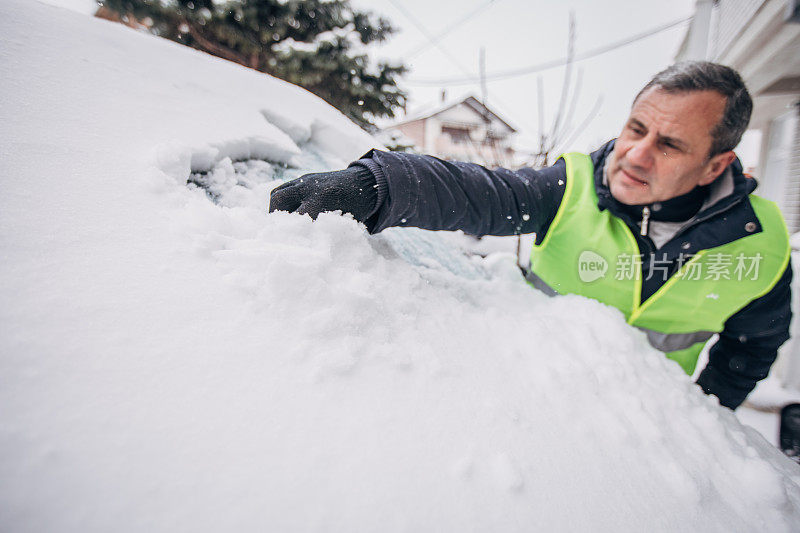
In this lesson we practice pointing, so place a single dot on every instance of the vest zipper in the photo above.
(645, 220)
(693, 223)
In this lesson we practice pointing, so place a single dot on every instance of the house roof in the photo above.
(431, 110)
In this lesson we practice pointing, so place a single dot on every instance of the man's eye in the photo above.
(636, 130)
(670, 146)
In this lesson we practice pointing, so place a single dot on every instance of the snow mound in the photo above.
(173, 357)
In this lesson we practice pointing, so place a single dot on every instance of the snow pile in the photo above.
(172, 357)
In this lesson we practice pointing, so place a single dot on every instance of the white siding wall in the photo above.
(791, 209)
(781, 179)
(731, 16)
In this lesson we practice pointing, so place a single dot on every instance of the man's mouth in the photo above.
(633, 178)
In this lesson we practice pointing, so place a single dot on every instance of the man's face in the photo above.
(663, 149)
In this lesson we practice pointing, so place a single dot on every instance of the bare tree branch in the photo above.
(567, 76)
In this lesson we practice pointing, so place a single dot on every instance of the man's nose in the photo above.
(642, 153)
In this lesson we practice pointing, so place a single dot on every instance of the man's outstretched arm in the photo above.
(385, 189)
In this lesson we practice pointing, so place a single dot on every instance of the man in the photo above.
(663, 214)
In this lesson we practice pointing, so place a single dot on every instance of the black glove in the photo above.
(353, 190)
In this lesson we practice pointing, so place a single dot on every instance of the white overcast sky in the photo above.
(520, 33)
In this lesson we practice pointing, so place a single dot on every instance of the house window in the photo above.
(457, 135)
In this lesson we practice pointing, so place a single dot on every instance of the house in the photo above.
(761, 40)
(464, 130)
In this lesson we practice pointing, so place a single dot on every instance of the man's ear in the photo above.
(716, 165)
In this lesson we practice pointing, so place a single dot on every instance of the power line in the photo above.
(430, 37)
(442, 34)
(549, 64)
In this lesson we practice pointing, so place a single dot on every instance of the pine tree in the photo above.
(311, 43)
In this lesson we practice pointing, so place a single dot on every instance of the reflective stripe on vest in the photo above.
(594, 254)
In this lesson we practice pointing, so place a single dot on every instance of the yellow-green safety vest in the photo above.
(593, 253)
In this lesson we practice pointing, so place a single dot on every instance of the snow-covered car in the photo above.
(173, 357)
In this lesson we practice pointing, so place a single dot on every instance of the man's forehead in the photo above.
(679, 113)
(682, 102)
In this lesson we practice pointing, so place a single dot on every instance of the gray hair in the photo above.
(690, 76)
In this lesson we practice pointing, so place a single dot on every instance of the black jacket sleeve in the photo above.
(429, 193)
(748, 345)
